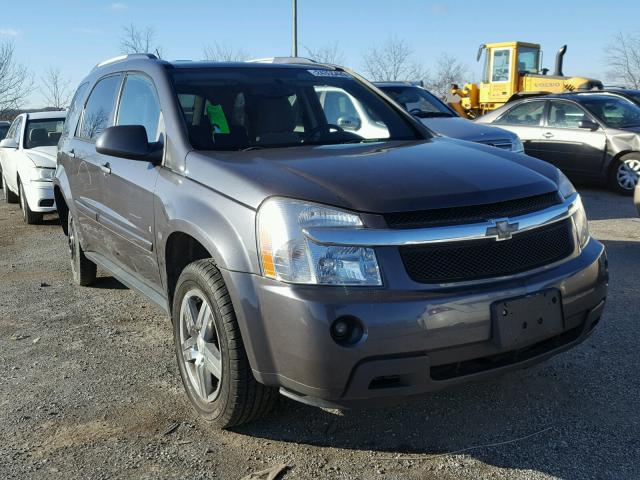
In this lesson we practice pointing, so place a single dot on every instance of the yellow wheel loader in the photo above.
(512, 70)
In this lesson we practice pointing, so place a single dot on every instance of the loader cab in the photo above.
(504, 64)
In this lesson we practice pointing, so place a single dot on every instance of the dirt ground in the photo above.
(89, 388)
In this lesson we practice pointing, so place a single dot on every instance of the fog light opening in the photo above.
(347, 331)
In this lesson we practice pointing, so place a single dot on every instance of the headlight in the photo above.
(42, 174)
(287, 255)
(516, 145)
(565, 187)
(580, 222)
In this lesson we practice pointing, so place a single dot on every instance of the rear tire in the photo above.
(9, 196)
(211, 357)
(29, 217)
(84, 270)
(624, 173)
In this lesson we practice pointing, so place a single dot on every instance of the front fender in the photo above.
(224, 227)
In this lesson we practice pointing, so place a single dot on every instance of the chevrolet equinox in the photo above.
(294, 256)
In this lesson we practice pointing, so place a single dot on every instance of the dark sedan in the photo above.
(591, 136)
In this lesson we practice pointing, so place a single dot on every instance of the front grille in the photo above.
(477, 259)
(472, 213)
(503, 144)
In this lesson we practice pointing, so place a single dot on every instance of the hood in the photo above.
(44, 157)
(377, 178)
(460, 128)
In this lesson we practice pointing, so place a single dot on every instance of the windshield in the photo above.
(3, 131)
(614, 112)
(418, 101)
(43, 133)
(246, 108)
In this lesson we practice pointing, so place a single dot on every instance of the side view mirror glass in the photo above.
(588, 125)
(129, 141)
(349, 123)
(8, 143)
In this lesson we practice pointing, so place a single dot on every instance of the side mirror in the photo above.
(8, 143)
(349, 123)
(129, 141)
(588, 125)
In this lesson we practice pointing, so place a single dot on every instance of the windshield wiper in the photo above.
(423, 114)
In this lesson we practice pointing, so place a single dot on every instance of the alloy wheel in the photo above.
(628, 173)
(200, 346)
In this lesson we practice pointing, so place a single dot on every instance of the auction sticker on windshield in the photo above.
(328, 73)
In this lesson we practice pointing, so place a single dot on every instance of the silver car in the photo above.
(589, 136)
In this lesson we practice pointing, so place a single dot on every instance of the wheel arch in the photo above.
(181, 249)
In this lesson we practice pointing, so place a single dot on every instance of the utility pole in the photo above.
(294, 47)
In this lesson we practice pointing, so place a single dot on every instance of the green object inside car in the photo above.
(218, 119)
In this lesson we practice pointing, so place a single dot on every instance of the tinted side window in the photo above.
(99, 110)
(16, 133)
(565, 115)
(139, 105)
(74, 109)
(12, 129)
(528, 113)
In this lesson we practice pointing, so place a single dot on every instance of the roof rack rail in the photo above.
(129, 56)
(292, 60)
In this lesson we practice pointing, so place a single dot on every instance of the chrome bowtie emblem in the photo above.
(502, 230)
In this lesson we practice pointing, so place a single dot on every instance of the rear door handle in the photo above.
(106, 168)
(547, 135)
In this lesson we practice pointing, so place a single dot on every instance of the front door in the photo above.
(575, 150)
(130, 185)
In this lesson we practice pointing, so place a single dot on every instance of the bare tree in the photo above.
(139, 40)
(16, 83)
(623, 59)
(56, 89)
(219, 52)
(393, 60)
(330, 53)
(448, 70)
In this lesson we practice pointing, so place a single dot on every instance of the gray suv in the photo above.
(299, 258)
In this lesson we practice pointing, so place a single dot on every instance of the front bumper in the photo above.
(422, 339)
(40, 196)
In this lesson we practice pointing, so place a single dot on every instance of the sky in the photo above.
(74, 35)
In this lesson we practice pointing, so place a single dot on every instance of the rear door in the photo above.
(88, 167)
(526, 119)
(129, 186)
(572, 149)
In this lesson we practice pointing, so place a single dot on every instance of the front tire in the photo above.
(9, 196)
(624, 173)
(211, 357)
(84, 271)
(29, 217)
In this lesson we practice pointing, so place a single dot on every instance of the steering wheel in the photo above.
(415, 111)
(326, 128)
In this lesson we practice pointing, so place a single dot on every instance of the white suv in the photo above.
(28, 158)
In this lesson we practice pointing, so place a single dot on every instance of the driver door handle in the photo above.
(105, 168)
(547, 135)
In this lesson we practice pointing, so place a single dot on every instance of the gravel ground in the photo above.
(89, 388)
